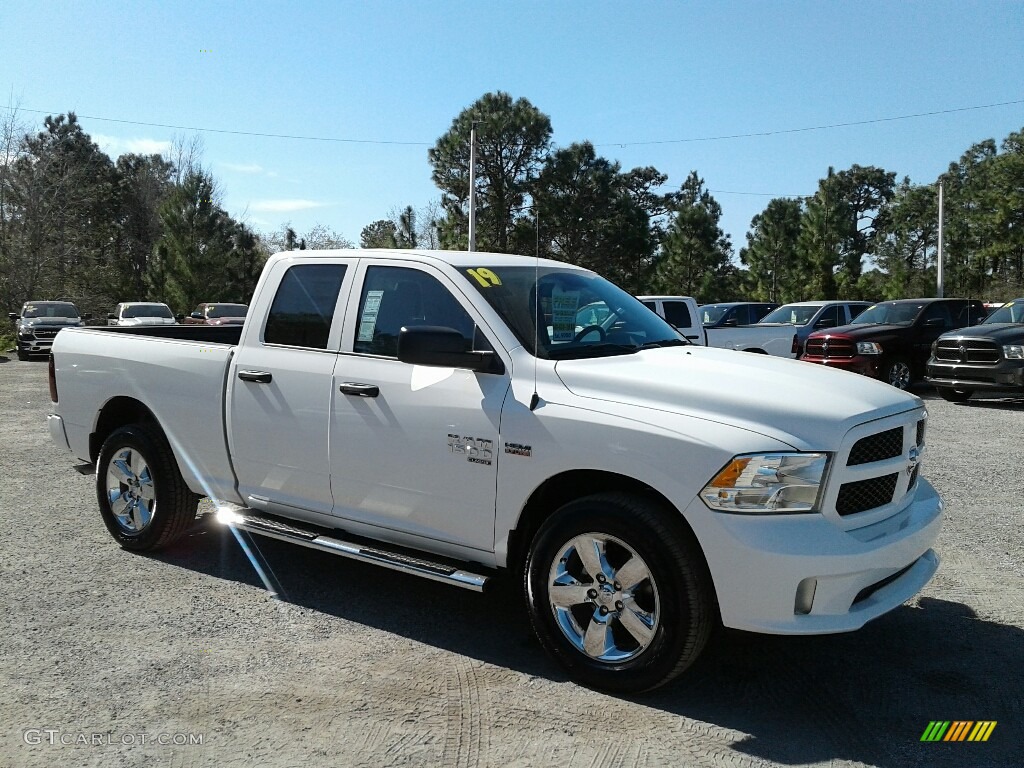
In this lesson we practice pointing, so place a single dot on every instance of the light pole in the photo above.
(472, 186)
(938, 256)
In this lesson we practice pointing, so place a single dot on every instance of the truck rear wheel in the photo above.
(618, 593)
(143, 499)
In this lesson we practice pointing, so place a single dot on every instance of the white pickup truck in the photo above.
(448, 415)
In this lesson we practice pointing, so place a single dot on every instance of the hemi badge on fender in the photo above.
(517, 449)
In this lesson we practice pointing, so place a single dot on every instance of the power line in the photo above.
(725, 137)
(810, 128)
(224, 130)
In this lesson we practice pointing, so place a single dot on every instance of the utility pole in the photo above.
(472, 186)
(938, 257)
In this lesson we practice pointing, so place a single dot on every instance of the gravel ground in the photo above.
(363, 666)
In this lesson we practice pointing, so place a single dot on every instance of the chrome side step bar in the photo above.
(245, 519)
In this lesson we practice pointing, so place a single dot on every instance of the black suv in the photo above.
(988, 357)
(891, 340)
(38, 324)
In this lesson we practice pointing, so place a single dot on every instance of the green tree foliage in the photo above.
(697, 258)
(512, 143)
(143, 183)
(61, 225)
(906, 249)
(194, 244)
(590, 215)
(776, 269)
(380, 234)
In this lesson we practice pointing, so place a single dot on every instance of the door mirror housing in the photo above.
(195, 316)
(934, 322)
(443, 347)
(12, 315)
(111, 316)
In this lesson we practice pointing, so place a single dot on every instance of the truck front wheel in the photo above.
(143, 499)
(619, 593)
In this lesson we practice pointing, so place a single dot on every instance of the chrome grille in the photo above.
(830, 347)
(976, 351)
(45, 333)
(920, 432)
(884, 445)
(862, 495)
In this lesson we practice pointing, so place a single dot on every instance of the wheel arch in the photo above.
(564, 487)
(115, 413)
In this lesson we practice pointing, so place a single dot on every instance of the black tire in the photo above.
(23, 355)
(898, 372)
(677, 598)
(955, 395)
(138, 523)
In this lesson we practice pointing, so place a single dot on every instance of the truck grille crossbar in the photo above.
(884, 445)
(976, 351)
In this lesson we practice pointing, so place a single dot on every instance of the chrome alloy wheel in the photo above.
(130, 490)
(899, 374)
(603, 597)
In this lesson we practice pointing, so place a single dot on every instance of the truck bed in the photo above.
(208, 334)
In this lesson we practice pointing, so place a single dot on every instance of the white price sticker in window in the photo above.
(368, 321)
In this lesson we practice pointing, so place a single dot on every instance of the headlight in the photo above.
(768, 482)
(1014, 352)
(868, 348)
(26, 333)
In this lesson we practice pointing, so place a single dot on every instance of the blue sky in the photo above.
(616, 73)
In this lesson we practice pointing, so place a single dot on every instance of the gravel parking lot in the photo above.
(112, 659)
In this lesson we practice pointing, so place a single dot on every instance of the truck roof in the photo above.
(453, 258)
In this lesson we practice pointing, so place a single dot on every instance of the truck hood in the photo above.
(146, 321)
(807, 406)
(1001, 333)
(54, 322)
(863, 331)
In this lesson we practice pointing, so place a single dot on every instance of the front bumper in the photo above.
(763, 565)
(35, 346)
(1005, 376)
(863, 364)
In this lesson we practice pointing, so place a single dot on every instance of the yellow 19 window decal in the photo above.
(484, 276)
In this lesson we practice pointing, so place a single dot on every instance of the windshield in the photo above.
(50, 309)
(226, 310)
(712, 313)
(889, 313)
(581, 314)
(147, 310)
(793, 315)
(1013, 312)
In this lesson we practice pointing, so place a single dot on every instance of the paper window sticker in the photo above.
(563, 314)
(368, 321)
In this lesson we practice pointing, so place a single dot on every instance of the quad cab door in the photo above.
(414, 449)
(280, 387)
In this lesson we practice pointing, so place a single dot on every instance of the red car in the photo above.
(891, 341)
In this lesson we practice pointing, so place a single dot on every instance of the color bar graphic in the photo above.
(958, 730)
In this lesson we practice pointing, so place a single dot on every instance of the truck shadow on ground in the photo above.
(865, 697)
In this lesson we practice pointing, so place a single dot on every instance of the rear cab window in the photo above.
(303, 309)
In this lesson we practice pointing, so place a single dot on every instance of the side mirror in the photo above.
(934, 322)
(12, 315)
(824, 323)
(87, 316)
(111, 316)
(194, 316)
(443, 347)
(730, 321)
(179, 318)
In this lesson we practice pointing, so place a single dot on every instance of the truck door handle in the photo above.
(260, 377)
(362, 390)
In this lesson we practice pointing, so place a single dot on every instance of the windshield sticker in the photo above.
(368, 321)
(563, 315)
(484, 277)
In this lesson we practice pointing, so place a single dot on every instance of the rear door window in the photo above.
(678, 314)
(303, 307)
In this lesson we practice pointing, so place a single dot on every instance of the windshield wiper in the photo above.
(667, 343)
(592, 350)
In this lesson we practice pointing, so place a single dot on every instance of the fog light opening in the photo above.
(805, 596)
